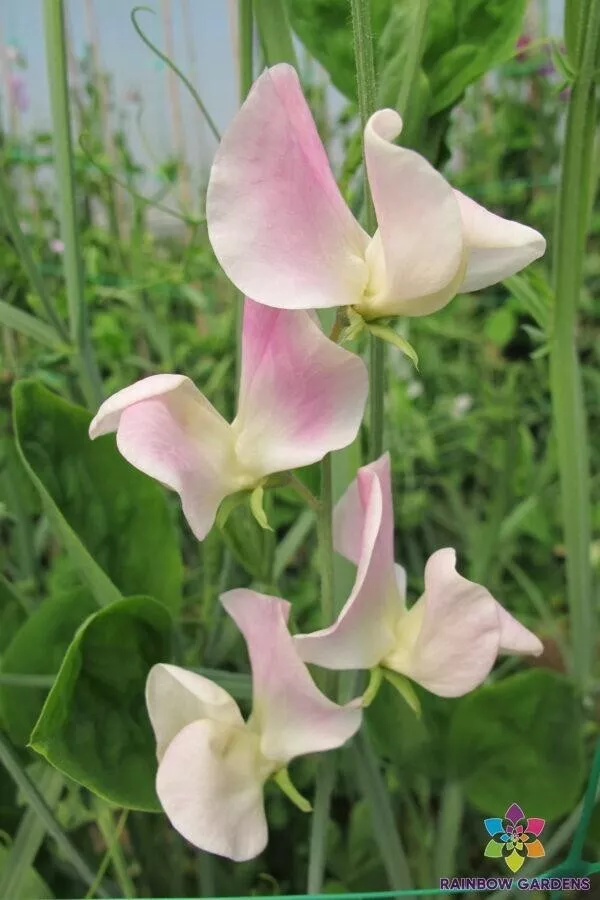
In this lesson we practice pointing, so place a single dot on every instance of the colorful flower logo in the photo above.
(514, 838)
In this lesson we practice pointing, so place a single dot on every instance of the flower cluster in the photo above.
(285, 237)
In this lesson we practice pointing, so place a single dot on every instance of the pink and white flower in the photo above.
(447, 641)
(213, 764)
(301, 396)
(283, 233)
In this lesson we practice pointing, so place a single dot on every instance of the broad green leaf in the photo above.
(94, 726)
(325, 29)
(500, 326)
(113, 521)
(398, 733)
(38, 648)
(519, 741)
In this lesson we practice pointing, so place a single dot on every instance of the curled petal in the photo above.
(289, 712)
(176, 697)
(301, 396)
(496, 247)
(417, 254)
(168, 429)
(364, 631)
(210, 785)
(276, 219)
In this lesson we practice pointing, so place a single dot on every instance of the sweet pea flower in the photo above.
(212, 764)
(283, 233)
(447, 641)
(301, 396)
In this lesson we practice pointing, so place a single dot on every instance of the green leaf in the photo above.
(519, 740)
(324, 27)
(38, 648)
(500, 326)
(32, 885)
(94, 726)
(12, 614)
(113, 521)
(30, 326)
(398, 734)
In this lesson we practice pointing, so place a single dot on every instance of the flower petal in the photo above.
(456, 644)
(210, 785)
(418, 250)
(364, 631)
(301, 395)
(497, 247)
(276, 219)
(176, 697)
(290, 713)
(168, 429)
(515, 638)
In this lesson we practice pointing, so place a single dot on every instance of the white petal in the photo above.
(176, 697)
(497, 247)
(210, 785)
(167, 429)
(417, 253)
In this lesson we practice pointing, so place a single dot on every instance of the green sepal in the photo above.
(385, 333)
(356, 325)
(228, 505)
(375, 679)
(282, 780)
(256, 506)
(404, 688)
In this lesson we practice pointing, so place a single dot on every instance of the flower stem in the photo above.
(320, 820)
(325, 531)
(572, 218)
(365, 80)
(56, 54)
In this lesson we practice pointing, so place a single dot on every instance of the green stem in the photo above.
(114, 851)
(366, 85)
(325, 778)
(325, 783)
(448, 832)
(567, 395)
(22, 247)
(56, 55)
(325, 531)
(39, 806)
(246, 75)
(377, 795)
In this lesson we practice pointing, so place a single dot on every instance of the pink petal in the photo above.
(456, 643)
(364, 631)
(210, 785)
(168, 429)
(497, 247)
(289, 712)
(301, 395)
(176, 697)
(276, 219)
(515, 638)
(417, 253)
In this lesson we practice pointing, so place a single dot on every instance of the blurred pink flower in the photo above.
(56, 245)
(19, 95)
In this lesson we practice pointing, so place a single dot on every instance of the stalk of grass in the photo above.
(56, 59)
(570, 428)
